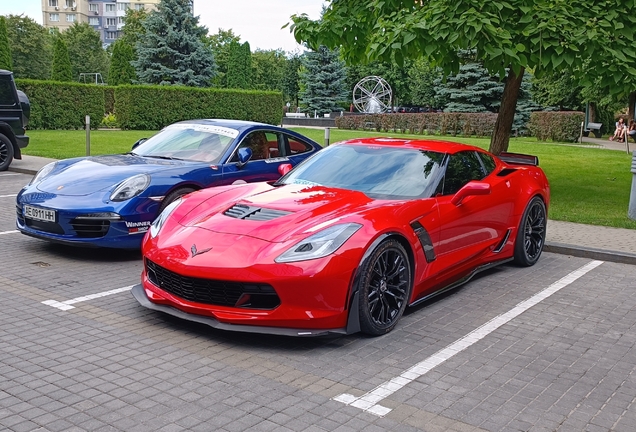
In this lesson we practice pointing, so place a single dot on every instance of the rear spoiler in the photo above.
(519, 159)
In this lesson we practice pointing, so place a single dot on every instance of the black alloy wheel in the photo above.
(6, 153)
(532, 231)
(384, 288)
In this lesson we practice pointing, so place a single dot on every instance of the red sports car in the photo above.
(346, 240)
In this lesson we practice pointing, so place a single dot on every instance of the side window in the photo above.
(264, 145)
(488, 161)
(297, 147)
(462, 168)
(7, 97)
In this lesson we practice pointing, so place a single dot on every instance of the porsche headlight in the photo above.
(321, 244)
(163, 216)
(131, 187)
(43, 172)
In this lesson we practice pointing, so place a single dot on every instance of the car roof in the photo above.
(418, 144)
(234, 124)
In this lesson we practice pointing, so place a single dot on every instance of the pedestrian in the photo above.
(619, 133)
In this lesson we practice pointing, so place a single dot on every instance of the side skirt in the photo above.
(461, 281)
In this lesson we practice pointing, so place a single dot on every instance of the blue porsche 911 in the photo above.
(110, 201)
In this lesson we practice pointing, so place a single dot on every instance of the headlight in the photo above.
(320, 244)
(163, 216)
(44, 171)
(131, 187)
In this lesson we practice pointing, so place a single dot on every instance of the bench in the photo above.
(595, 128)
(295, 115)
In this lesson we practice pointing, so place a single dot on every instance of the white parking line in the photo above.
(369, 401)
(8, 196)
(9, 232)
(66, 305)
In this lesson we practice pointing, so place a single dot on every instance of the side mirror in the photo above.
(139, 141)
(470, 189)
(244, 155)
(284, 169)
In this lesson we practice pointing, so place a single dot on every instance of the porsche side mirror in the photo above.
(470, 189)
(139, 141)
(284, 169)
(244, 155)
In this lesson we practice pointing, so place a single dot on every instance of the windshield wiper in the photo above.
(161, 157)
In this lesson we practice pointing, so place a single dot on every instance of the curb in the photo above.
(591, 253)
(22, 170)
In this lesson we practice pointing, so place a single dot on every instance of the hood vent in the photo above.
(241, 211)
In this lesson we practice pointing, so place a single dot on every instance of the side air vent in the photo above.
(241, 211)
(506, 171)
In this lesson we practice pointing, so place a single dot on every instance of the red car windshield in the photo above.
(379, 172)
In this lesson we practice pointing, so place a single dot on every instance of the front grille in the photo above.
(241, 211)
(90, 228)
(213, 292)
(49, 227)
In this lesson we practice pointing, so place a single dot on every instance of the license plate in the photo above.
(40, 214)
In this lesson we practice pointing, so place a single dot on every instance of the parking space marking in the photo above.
(8, 196)
(7, 175)
(9, 232)
(66, 305)
(369, 401)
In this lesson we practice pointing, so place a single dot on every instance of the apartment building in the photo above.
(105, 16)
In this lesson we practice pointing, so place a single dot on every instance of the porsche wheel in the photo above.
(531, 233)
(384, 288)
(177, 193)
(6, 152)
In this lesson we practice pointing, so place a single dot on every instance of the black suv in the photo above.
(14, 116)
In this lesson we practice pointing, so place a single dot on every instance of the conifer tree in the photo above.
(121, 71)
(323, 81)
(239, 66)
(5, 50)
(172, 51)
(61, 61)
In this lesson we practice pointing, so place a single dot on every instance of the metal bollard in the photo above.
(327, 136)
(88, 135)
(631, 212)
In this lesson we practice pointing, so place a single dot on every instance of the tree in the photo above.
(85, 50)
(323, 81)
(268, 67)
(239, 66)
(61, 65)
(172, 51)
(31, 48)
(219, 43)
(422, 79)
(472, 89)
(133, 30)
(5, 51)
(291, 78)
(121, 70)
(508, 37)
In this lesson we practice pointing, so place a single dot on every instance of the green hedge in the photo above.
(467, 124)
(153, 107)
(559, 126)
(62, 105)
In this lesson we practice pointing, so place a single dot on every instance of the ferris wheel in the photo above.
(372, 95)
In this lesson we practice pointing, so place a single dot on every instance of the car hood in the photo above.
(93, 174)
(278, 214)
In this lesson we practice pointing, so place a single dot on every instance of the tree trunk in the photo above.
(503, 125)
(632, 102)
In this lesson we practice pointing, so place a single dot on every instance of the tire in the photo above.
(174, 195)
(6, 153)
(531, 233)
(384, 287)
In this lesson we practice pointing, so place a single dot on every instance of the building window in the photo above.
(53, 3)
(122, 20)
(110, 7)
(139, 6)
(54, 17)
(70, 3)
(111, 35)
(93, 21)
(70, 17)
(123, 6)
(111, 21)
(93, 7)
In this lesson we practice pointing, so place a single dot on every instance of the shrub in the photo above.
(560, 126)
(62, 105)
(109, 121)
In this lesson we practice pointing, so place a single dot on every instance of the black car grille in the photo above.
(49, 227)
(213, 292)
(241, 211)
(90, 228)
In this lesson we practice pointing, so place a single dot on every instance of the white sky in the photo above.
(258, 22)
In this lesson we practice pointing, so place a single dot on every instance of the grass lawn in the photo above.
(588, 185)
